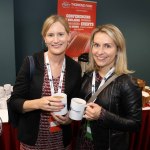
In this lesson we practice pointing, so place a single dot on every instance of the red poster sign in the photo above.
(81, 16)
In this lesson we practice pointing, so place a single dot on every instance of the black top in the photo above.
(121, 103)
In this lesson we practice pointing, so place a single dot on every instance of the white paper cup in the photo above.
(63, 98)
(3, 103)
(1, 88)
(77, 108)
(7, 87)
(11, 88)
(2, 92)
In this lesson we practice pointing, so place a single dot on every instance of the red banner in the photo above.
(81, 16)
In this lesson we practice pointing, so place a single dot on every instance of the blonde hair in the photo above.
(121, 59)
(52, 19)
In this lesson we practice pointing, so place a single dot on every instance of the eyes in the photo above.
(105, 45)
(61, 34)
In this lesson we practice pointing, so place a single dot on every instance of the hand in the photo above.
(92, 111)
(64, 120)
(49, 103)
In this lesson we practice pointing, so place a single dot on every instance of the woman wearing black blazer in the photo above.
(31, 98)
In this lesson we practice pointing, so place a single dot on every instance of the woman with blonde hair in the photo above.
(54, 72)
(117, 109)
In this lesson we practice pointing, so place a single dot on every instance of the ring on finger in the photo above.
(49, 104)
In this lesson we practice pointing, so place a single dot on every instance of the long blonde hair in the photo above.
(121, 59)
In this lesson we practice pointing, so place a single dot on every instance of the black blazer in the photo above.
(24, 88)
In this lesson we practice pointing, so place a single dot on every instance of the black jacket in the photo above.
(121, 103)
(28, 124)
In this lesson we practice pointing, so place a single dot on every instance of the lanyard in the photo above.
(88, 128)
(103, 80)
(50, 75)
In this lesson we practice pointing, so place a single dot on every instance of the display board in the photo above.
(81, 16)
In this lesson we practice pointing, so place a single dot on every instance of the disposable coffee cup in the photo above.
(63, 98)
(2, 92)
(7, 87)
(3, 103)
(77, 107)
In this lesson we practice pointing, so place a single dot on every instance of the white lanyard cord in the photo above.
(109, 73)
(50, 75)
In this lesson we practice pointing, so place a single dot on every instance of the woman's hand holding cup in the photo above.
(50, 103)
(92, 111)
(64, 120)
